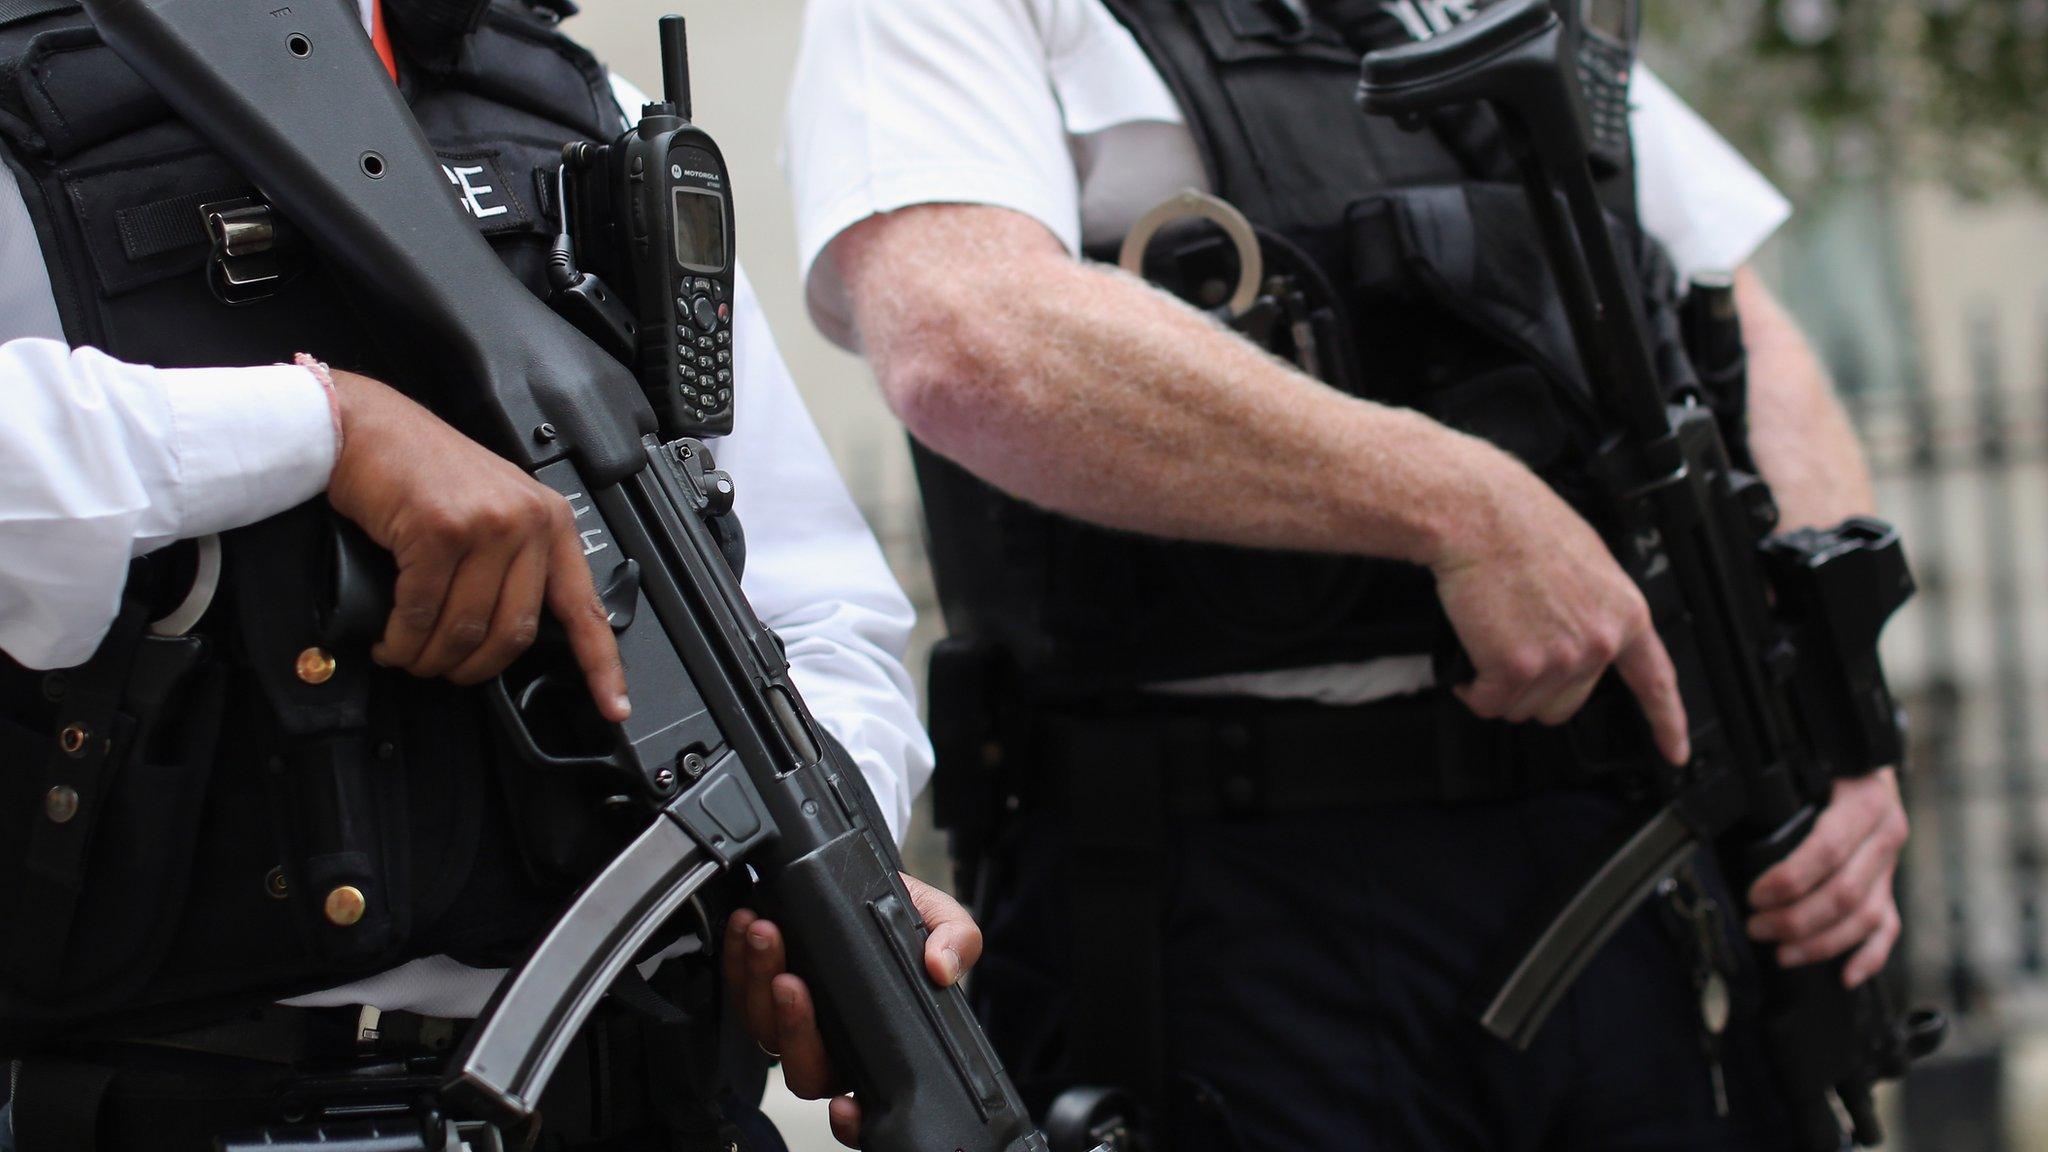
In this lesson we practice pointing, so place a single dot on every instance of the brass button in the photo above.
(345, 905)
(316, 666)
(72, 739)
(60, 804)
(275, 884)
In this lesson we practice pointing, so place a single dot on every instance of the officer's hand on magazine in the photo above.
(1834, 894)
(776, 1005)
(1543, 610)
(481, 547)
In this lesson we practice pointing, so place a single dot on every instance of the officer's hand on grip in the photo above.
(1834, 893)
(776, 1004)
(481, 547)
(1543, 610)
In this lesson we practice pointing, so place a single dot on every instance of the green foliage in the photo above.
(1828, 92)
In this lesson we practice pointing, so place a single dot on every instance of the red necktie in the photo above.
(382, 38)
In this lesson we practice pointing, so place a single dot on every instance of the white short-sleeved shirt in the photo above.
(1050, 108)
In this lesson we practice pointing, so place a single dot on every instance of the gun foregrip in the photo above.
(924, 1072)
(1823, 1039)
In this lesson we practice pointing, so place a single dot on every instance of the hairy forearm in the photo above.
(1798, 430)
(1087, 391)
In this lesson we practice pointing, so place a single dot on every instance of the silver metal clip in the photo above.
(248, 248)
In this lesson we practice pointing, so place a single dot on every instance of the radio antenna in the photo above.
(675, 64)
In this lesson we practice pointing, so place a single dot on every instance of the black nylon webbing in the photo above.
(15, 11)
(165, 226)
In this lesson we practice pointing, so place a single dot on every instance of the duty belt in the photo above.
(1245, 757)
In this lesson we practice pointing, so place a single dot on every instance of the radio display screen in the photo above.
(700, 230)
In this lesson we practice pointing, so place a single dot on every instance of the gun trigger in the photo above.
(621, 595)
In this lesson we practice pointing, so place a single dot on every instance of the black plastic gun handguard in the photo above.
(720, 748)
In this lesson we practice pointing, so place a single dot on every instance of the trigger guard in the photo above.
(512, 718)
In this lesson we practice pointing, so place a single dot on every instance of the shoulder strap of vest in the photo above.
(1168, 32)
(15, 11)
(1268, 99)
(1243, 71)
(515, 54)
(433, 28)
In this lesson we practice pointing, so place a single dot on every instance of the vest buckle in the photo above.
(249, 244)
(1284, 22)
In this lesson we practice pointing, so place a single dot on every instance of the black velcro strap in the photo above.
(165, 226)
(15, 11)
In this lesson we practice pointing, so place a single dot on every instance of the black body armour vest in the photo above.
(253, 810)
(1424, 286)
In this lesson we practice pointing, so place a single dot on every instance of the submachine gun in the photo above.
(1774, 635)
(720, 752)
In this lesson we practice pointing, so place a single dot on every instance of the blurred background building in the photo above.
(1912, 134)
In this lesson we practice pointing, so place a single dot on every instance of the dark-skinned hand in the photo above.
(777, 1009)
(481, 547)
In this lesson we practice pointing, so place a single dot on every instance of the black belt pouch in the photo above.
(104, 772)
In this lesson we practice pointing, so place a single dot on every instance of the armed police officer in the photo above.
(1235, 846)
(261, 847)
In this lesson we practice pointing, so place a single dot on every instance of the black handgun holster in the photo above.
(337, 788)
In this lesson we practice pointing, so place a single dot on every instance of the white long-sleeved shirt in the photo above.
(102, 460)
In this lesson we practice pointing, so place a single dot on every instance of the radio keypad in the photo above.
(703, 338)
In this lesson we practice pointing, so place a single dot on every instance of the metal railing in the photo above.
(1964, 472)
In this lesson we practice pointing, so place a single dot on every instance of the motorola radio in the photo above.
(643, 262)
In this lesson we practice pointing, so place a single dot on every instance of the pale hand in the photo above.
(1543, 610)
(1833, 895)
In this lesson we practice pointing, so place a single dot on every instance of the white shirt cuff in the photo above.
(249, 443)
